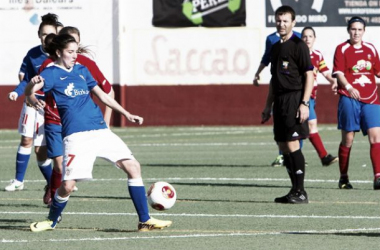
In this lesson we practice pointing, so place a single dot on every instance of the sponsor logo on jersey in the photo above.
(72, 92)
(63, 78)
(362, 64)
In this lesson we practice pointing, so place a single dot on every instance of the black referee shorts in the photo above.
(286, 126)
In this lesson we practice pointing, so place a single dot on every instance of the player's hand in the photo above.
(135, 119)
(12, 96)
(354, 93)
(256, 80)
(37, 105)
(265, 115)
(36, 79)
(334, 88)
(303, 113)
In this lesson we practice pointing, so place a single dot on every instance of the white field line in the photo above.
(210, 179)
(237, 234)
(257, 216)
(195, 144)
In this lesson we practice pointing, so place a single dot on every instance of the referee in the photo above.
(289, 93)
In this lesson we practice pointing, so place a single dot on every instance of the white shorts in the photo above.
(31, 124)
(81, 150)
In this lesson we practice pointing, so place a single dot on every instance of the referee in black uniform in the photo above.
(289, 92)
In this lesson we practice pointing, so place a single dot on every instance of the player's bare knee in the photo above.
(66, 188)
(131, 167)
(26, 142)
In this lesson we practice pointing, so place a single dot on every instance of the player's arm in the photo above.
(266, 114)
(107, 100)
(342, 80)
(257, 75)
(103, 83)
(332, 81)
(35, 84)
(265, 60)
(303, 110)
(108, 110)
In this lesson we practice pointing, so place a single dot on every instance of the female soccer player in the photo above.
(53, 128)
(308, 36)
(356, 63)
(86, 135)
(31, 124)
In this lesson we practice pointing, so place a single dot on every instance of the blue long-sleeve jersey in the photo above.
(30, 66)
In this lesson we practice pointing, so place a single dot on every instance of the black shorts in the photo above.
(286, 126)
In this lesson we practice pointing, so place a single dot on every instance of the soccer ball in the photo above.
(161, 195)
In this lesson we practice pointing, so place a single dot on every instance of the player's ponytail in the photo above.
(48, 47)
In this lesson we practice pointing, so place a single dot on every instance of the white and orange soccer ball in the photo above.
(161, 195)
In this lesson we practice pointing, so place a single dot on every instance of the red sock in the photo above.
(55, 182)
(344, 159)
(315, 139)
(375, 158)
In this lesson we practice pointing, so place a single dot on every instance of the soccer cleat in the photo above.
(152, 224)
(47, 195)
(293, 197)
(344, 184)
(15, 185)
(59, 219)
(41, 226)
(298, 198)
(329, 159)
(282, 199)
(376, 184)
(278, 162)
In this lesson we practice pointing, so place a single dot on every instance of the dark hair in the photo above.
(59, 24)
(73, 30)
(69, 30)
(48, 40)
(355, 19)
(286, 9)
(308, 28)
(57, 42)
(48, 19)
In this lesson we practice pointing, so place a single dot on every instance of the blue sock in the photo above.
(46, 169)
(138, 195)
(22, 160)
(57, 207)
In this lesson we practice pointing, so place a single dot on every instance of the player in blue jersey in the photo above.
(31, 124)
(86, 135)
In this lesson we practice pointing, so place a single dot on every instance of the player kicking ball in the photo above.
(85, 133)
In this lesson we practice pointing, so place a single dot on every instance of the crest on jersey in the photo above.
(285, 65)
(69, 90)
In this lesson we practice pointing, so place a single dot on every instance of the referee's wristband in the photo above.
(348, 86)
